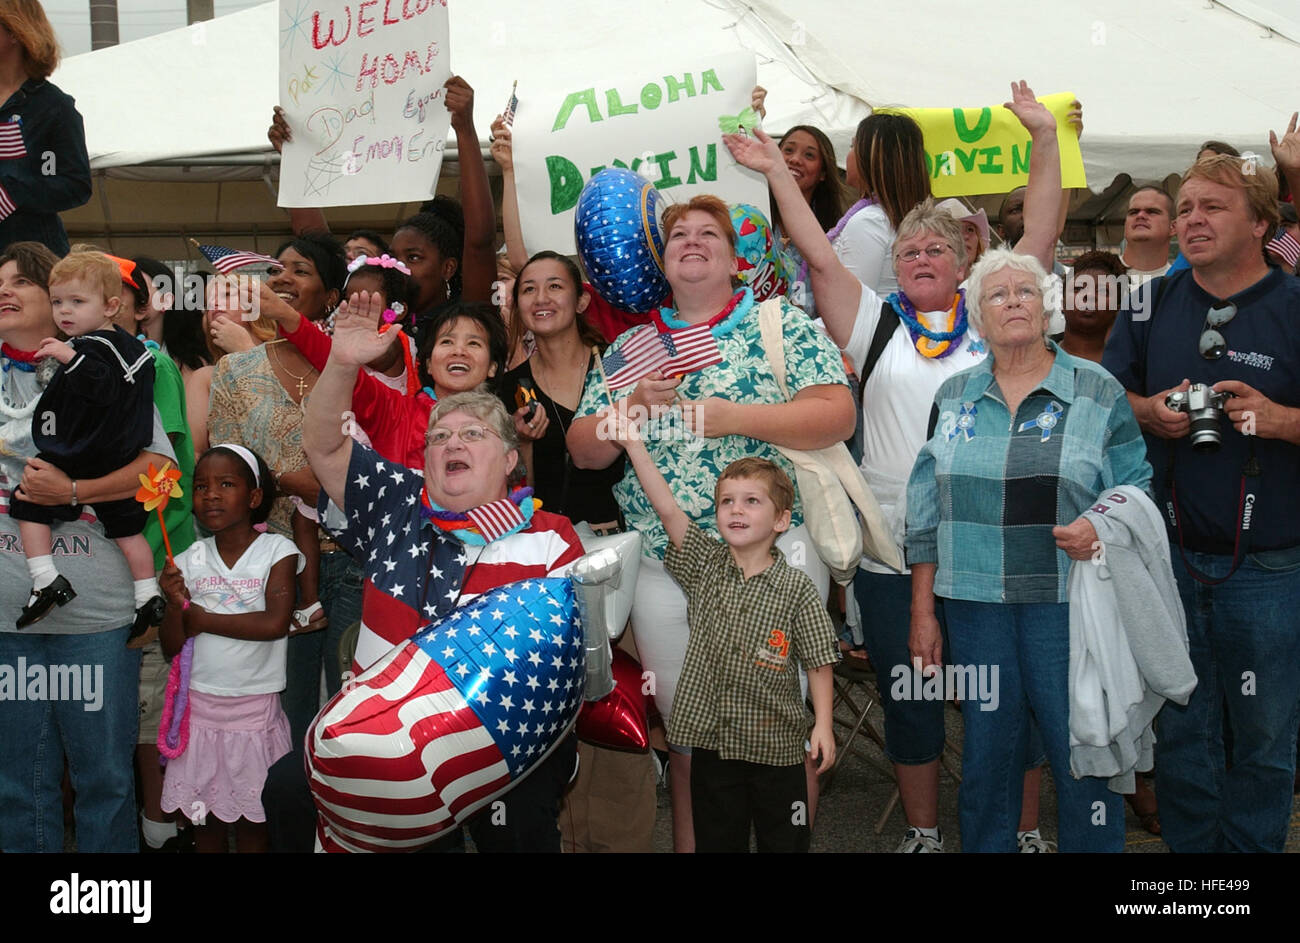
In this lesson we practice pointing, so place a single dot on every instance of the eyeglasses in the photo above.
(934, 251)
(468, 434)
(1000, 296)
(1212, 345)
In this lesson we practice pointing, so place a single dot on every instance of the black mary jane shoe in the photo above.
(58, 593)
(146, 617)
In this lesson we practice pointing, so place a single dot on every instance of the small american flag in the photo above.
(447, 721)
(7, 206)
(227, 260)
(509, 113)
(497, 518)
(671, 352)
(1286, 247)
(11, 139)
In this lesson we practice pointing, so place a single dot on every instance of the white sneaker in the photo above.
(1032, 843)
(914, 842)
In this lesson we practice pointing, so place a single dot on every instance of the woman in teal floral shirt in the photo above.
(735, 410)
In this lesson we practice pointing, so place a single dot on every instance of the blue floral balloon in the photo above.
(617, 231)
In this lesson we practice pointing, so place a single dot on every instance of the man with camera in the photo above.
(1211, 359)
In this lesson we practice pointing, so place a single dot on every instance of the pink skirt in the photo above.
(233, 742)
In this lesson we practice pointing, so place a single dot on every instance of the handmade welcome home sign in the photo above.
(361, 85)
(662, 121)
(986, 150)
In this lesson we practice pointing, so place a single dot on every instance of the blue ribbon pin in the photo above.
(1046, 420)
(965, 423)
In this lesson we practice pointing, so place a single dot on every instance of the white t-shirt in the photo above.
(896, 404)
(233, 667)
(865, 247)
(1138, 277)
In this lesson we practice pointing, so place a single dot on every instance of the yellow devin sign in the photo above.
(986, 150)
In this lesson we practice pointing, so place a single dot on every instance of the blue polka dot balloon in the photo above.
(617, 230)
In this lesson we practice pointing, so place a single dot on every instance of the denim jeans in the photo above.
(913, 727)
(99, 743)
(1029, 644)
(1244, 636)
(340, 597)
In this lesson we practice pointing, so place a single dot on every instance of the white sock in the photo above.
(1021, 836)
(145, 590)
(156, 833)
(929, 832)
(43, 571)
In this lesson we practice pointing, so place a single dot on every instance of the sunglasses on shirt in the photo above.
(1212, 345)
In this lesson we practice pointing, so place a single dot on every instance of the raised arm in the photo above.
(301, 218)
(1043, 194)
(837, 290)
(478, 262)
(588, 441)
(324, 427)
(503, 154)
(653, 482)
(1287, 154)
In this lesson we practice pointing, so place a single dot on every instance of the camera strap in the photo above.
(1250, 470)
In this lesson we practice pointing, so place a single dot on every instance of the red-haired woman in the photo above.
(44, 168)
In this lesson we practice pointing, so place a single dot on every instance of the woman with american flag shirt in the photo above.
(428, 545)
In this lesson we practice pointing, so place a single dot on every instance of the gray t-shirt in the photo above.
(91, 562)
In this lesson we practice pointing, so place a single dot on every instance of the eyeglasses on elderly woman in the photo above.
(469, 434)
(934, 251)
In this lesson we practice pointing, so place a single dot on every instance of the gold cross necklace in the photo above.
(302, 380)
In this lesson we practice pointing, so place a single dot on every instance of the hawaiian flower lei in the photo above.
(458, 523)
(932, 344)
(174, 728)
(720, 325)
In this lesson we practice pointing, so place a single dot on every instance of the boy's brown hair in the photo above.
(779, 487)
(93, 269)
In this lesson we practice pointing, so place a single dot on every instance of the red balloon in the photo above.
(618, 720)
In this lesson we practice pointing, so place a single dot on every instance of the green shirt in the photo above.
(739, 691)
(169, 397)
(691, 464)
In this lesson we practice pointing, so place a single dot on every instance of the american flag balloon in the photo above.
(449, 720)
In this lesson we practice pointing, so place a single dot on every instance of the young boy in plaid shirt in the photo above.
(752, 616)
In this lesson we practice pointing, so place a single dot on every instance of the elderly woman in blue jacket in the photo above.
(1020, 446)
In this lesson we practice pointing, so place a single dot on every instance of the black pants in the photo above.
(728, 796)
(527, 817)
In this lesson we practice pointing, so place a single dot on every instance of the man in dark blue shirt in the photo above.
(1228, 322)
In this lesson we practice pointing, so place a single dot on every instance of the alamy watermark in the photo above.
(24, 682)
(970, 684)
(667, 423)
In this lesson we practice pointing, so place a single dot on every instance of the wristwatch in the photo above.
(73, 502)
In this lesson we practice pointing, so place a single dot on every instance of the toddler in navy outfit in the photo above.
(95, 416)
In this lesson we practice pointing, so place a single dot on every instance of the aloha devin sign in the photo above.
(986, 150)
(361, 86)
(661, 123)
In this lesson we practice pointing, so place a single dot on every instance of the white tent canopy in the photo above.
(1155, 78)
